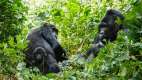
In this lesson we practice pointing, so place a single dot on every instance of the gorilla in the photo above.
(107, 31)
(43, 50)
(109, 27)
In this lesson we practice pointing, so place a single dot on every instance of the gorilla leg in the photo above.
(49, 64)
(39, 54)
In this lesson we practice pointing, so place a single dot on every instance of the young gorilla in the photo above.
(44, 51)
(108, 29)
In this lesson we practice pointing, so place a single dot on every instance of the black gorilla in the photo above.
(108, 29)
(44, 51)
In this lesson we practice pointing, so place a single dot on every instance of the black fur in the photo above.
(108, 29)
(44, 50)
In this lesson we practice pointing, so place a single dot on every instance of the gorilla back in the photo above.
(44, 51)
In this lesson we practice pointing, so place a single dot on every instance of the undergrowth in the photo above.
(77, 22)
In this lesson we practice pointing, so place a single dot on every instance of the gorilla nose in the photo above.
(54, 68)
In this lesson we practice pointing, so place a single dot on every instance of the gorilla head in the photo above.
(44, 51)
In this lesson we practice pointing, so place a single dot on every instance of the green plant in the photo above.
(12, 17)
(12, 53)
(77, 21)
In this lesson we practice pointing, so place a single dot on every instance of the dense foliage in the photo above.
(77, 21)
(12, 17)
(12, 21)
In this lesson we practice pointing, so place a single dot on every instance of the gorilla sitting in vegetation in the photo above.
(44, 51)
(108, 29)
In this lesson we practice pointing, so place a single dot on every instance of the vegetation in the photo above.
(12, 18)
(77, 21)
